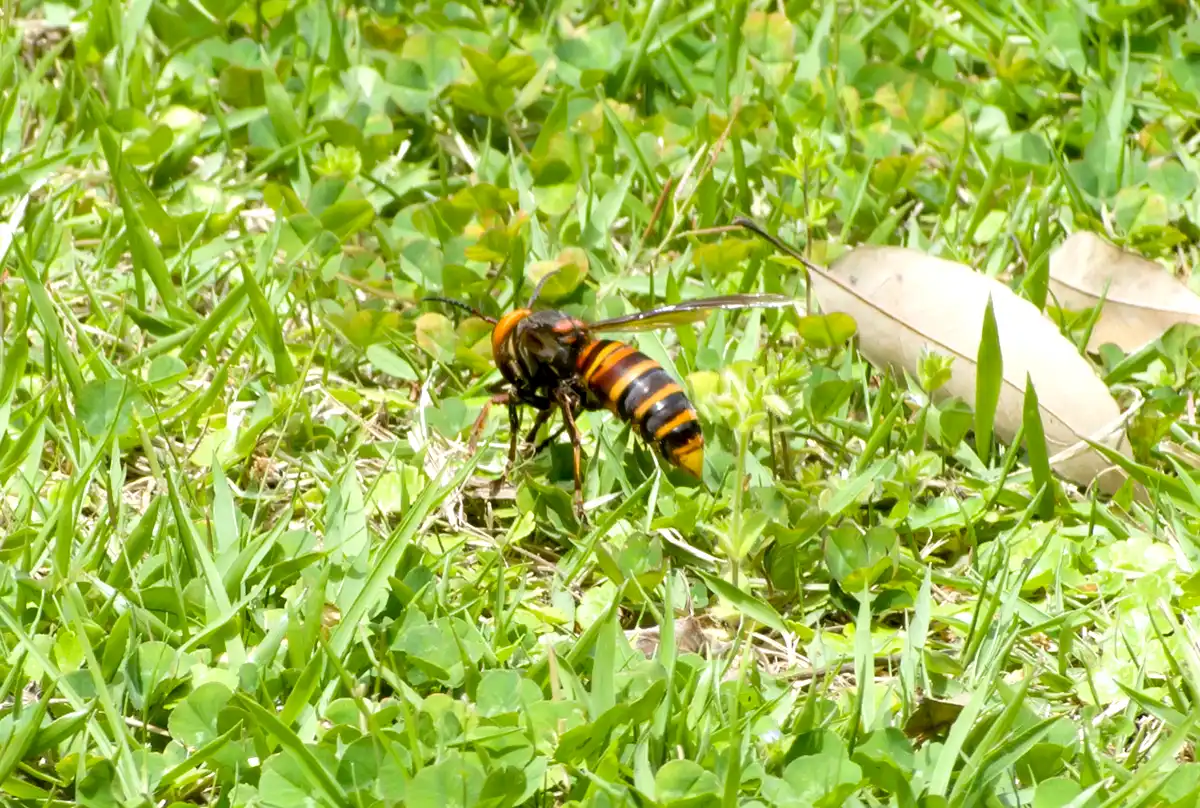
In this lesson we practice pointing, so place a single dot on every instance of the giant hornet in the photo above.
(551, 360)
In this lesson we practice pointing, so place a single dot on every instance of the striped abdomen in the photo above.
(636, 388)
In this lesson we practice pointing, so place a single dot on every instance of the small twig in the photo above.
(719, 146)
(845, 668)
(714, 153)
(658, 208)
(138, 724)
(707, 231)
(367, 288)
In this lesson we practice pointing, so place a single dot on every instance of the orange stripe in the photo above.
(605, 359)
(628, 378)
(504, 327)
(679, 420)
(584, 360)
(655, 397)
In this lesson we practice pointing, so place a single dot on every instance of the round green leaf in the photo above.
(166, 370)
(827, 331)
(499, 693)
(194, 722)
(569, 270)
(1056, 793)
(436, 336)
(452, 783)
(685, 782)
(856, 559)
(390, 363)
(105, 404)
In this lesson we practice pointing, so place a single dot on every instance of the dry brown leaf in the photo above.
(933, 717)
(905, 301)
(1143, 298)
(690, 637)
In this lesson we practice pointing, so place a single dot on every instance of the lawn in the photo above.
(250, 554)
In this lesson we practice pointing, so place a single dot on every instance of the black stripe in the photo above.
(640, 389)
(678, 437)
(664, 411)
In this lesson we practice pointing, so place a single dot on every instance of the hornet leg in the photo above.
(541, 447)
(477, 429)
(542, 417)
(514, 423)
(514, 426)
(567, 401)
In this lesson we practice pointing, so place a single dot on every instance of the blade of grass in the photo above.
(316, 773)
(147, 257)
(1039, 456)
(744, 602)
(989, 381)
(268, 327)
(204, 562)
(48, 317)
(864, 669)
(383, 564)
(649, 31)
(912, 657)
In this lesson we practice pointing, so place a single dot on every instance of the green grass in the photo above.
(248, 559)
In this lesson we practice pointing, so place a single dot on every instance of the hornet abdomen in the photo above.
(636, 388)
